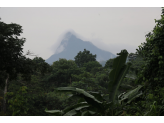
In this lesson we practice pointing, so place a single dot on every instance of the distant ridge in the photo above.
(70, 46)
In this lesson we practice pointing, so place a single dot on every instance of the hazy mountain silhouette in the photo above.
(70, 46)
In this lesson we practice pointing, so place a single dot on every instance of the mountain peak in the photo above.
(69, 33)
(67, 37)
(70, 46)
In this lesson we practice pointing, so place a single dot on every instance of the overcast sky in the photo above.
(109, 28)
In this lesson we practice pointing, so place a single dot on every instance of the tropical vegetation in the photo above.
(82, 87)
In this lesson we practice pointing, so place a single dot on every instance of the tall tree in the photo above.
(153, 51)
(11, 58)
(84, 57)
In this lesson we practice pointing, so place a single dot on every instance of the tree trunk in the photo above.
(70, 81)
(5, 91)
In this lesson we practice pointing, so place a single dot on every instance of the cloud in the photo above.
(98, 42)
(62, 41)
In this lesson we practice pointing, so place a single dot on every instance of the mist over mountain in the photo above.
(70, 46)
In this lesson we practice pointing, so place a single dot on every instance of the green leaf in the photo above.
(71, 113)
(55, 112)
(90, 99)
(88, 113)
(81, 91)
(118, 73)
(74, 107)
(81, 107)
(97, 95)
(131, 95)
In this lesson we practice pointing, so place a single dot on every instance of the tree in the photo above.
(11, 58)
(137, 63)
(96, 69)
(62, 70)
(132, 56)
(109, 63)
(10, 45)
(41, 67)
(153, 51)
(84, 57)
(91, 64)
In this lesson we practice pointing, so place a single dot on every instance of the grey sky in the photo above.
(109, 28)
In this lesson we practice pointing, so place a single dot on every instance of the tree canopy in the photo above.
(10, 46)
(109, 63)
(153, 52)
(91, 64)
(84, 57)
(62, 71)
(12, 59)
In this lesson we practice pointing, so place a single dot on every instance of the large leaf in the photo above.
(75, 106)
(70, 113)
(76, 110)
(87, 113)
(131, 95)
(55, 112)
(80, 91)
(117, 74)
(90, 99)
(97, 95)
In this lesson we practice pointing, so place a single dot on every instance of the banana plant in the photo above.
(127, 98)
(117, 75)
(95, 103)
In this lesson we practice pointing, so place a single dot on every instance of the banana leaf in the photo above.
(94, 99)
(131, 95)
(117, 74)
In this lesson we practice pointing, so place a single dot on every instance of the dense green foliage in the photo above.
(91, 103)
(91, 64)
(31, 87)
(84, 57)
(109, 63)
(11, 59)
(62, 71)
